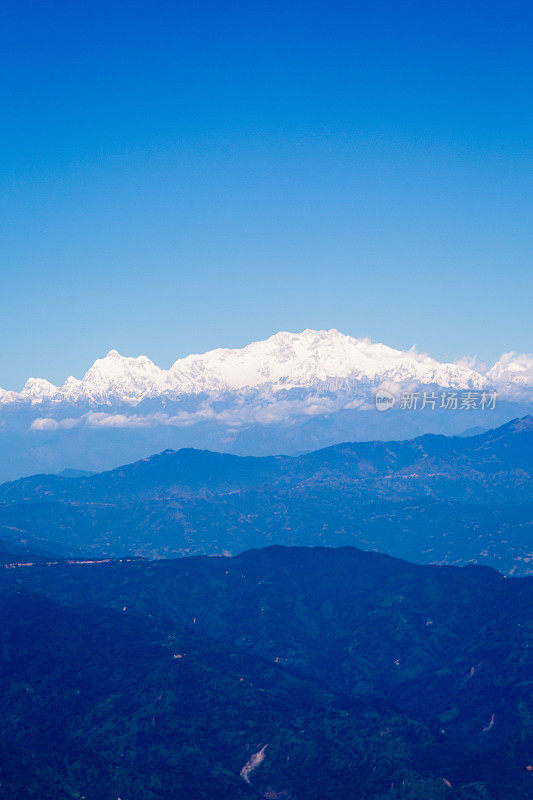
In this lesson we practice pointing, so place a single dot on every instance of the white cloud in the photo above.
(103, 420)
(44, 424)
(270, 411)
(471, 362)
(49, 424)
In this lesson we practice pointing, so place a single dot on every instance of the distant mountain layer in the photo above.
(430, 499)
(288, 394)
(284, 361)
(287, 673)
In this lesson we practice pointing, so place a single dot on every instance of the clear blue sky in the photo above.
(180, 176)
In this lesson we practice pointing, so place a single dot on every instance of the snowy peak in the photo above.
(120, 376)
(38, 389)
(513, 372)
(311, 357)
(309, 360)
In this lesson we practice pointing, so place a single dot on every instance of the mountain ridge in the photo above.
(291, 393)
(380, 678)
(248, 468)
(430, 499)
(283, 361)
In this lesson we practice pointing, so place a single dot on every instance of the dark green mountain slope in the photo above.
(102, 704)
(447, 648)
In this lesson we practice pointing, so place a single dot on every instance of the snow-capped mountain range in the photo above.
(290, 393)
(307, 360)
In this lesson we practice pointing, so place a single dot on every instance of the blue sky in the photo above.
(180, 176)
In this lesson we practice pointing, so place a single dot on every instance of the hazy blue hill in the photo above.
(431, 499)
(70, 472)
(171, 473)
(14, 551)
(498, 455)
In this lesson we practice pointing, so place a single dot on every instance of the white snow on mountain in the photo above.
(38, 389)
(288, 360)
(311, 359)
(116, 376)
(512, 373)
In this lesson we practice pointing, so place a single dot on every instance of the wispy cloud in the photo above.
(237, 416)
